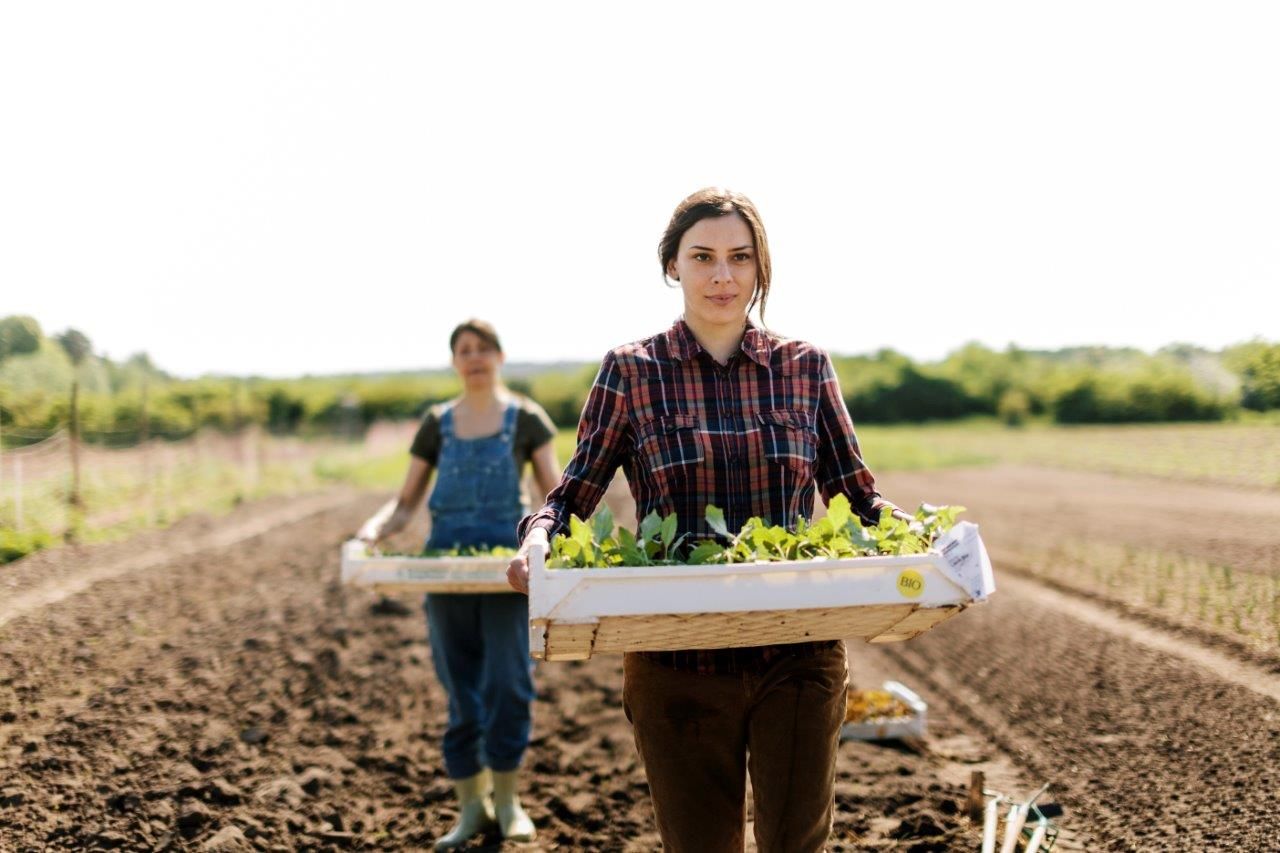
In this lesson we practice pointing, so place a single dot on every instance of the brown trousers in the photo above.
(699, 735)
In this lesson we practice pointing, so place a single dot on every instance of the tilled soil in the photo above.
(226, 693)
(239, 698)
(1018, 506)
(1153, 750)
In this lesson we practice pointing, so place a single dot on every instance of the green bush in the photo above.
(889, 388)
(563, 393)
(1014, 407)
(1258, 365)
(1148, 396)
(14, 544)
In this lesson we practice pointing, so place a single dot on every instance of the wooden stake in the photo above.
(976, 802)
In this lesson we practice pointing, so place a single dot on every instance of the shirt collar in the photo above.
(755, 343)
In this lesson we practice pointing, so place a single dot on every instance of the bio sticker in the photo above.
(911, 583)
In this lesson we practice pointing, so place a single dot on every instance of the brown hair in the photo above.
(718, 201)
(480, 329)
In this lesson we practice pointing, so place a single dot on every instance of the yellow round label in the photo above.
(911, 583)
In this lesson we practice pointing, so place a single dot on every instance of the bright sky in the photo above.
(288, 187)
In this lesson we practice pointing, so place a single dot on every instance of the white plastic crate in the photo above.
(887, 728)
(363, 567)
(575, 613)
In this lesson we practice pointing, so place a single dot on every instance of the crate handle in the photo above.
(538, 582)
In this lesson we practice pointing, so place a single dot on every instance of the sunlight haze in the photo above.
(319, 187)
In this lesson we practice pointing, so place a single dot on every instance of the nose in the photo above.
(721, 273)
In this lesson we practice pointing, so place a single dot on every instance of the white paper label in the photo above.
(966, 559)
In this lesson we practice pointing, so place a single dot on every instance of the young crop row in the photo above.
(1184, 589)
(598, 544)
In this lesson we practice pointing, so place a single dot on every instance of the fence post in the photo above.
(17, 491)
(75, 443)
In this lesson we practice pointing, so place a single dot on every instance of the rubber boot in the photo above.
(475, 810)
(514, 823)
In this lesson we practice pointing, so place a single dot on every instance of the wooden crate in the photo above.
(363, 567)
(575, 613)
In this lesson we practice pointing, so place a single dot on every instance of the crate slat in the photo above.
(437, 575)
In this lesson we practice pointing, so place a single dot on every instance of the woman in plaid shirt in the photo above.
(715, 410)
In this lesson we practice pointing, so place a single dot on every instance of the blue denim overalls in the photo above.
(480, 641)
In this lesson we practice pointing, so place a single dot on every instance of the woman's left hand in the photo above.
(913, 524)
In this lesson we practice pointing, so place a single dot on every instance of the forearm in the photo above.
(397, 518)
(840, 467)
(395, 514)
(570, 497)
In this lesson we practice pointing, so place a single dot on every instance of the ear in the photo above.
(671, 271)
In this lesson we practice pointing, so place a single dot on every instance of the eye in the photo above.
(701, 256)
(742, 257)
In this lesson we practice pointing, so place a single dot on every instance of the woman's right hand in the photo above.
(391, 518)
(370, 532)
(518, 569)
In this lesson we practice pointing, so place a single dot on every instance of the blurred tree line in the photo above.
(120, 403)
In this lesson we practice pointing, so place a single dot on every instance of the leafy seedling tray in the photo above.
(401, 574)
(576, 613)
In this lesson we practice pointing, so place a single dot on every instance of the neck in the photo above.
(720, 340)
(485, 397)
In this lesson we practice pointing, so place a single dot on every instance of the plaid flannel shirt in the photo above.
(753, 437)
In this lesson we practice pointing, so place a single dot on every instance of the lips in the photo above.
(721, 300)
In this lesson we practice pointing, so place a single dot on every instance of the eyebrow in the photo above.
(709, 249)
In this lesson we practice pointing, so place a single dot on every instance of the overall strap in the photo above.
(509, 422)
(446, 421)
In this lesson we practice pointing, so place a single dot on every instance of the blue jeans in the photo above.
(480, 648)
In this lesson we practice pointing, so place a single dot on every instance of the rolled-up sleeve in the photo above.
(604, 434)
(841, 470)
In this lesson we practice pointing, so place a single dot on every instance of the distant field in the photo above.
(1238, 454)
(126, 490)
(897, 448)
(1235, 454)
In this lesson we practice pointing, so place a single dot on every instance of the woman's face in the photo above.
(476, 360)
(716, 268)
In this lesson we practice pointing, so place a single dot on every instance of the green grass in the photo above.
(1244, 454)
(121, 502)
(566, 441)
(896, 448)
(1241, 453)
(381, 472)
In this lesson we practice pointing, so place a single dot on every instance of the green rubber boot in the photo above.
(513, 821)
(475, 810)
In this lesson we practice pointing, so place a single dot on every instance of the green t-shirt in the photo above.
(533, 429)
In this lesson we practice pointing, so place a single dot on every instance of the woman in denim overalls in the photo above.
(479, 641)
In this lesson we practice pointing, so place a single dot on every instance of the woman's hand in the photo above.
(518, 570)
(913, 524)
(390, 518)
(370, 532)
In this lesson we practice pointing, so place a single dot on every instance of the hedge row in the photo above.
(1085, 385)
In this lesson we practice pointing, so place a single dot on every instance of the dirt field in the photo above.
(211, 687)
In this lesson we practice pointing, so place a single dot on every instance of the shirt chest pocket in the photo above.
(788, 438)
(670, 445)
